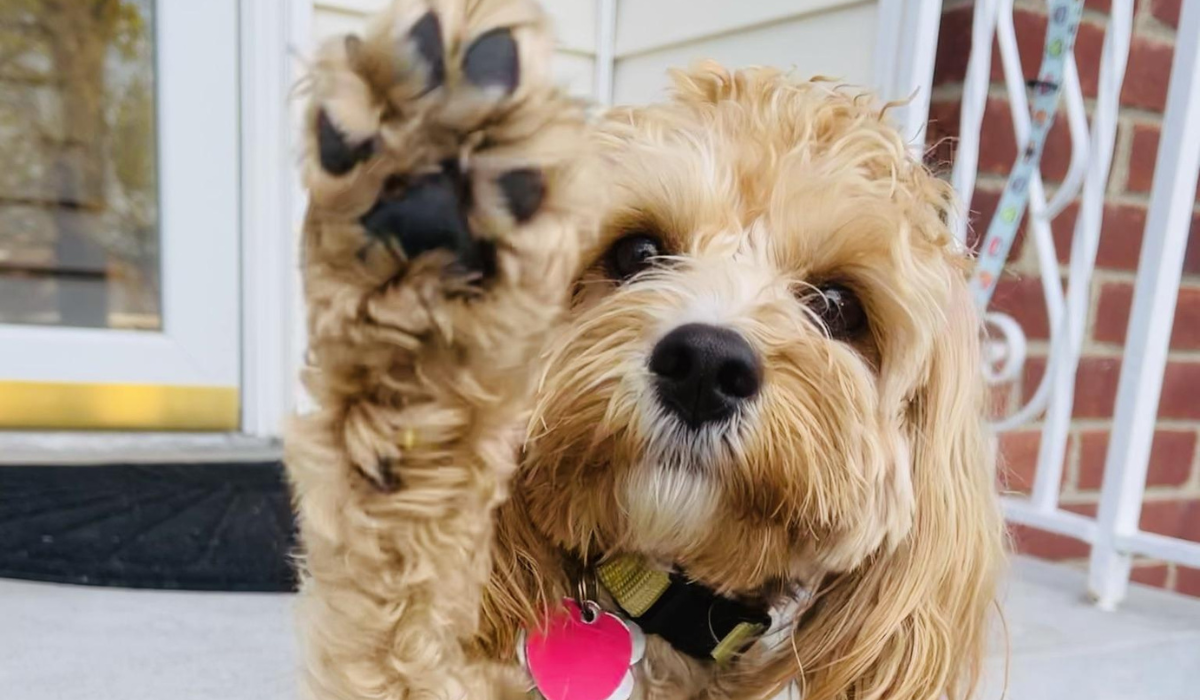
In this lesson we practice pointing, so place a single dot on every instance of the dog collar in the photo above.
(691, 617)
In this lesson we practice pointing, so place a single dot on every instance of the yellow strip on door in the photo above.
(70, 406)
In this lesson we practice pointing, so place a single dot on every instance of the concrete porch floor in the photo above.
(67, 643)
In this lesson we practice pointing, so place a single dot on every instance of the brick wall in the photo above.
(1172, 502)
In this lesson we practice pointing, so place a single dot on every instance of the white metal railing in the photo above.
(1113, 535)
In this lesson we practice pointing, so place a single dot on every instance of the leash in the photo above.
(1061, 30)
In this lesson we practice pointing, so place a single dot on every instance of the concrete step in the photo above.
(1062, 647)
(64, 643)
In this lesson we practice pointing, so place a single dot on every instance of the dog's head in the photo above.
(768, 377)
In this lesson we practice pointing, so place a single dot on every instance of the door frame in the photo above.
(259, 386)
(186, 373)
(275, 39)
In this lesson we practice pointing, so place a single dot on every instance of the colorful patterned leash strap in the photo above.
(1002, 231)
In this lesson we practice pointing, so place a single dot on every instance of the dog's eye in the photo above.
(840, 310)
(631, 255)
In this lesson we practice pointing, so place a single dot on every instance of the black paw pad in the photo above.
(420, 216)
(524, 190)
(493, 61)
(427, 37)
(338, 157)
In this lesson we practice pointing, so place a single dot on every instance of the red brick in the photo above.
(941, 134)
(1150, 575)
(1187, 581)
(1172, 518)
(1095, 384)
(954, 46)
(1165, 11)
(1019, 456)
(1022, 298)
(1031, 375)
(1143, 156)
(1096, 387)
(1180, 391)
(1191, 257)
(997, 151)
(1185, 333)
(1089, 44)
(1146, 77)
(1018, 459)
(1112, 316)
(1170, 458)
(1048, 545)
(1056, 157)
(1112, 312)
(1120, 235)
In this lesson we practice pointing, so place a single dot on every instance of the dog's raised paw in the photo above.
(437, 131)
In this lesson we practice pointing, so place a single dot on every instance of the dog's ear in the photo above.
(911, 624)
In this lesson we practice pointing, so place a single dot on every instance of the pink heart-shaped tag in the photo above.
(573, 659)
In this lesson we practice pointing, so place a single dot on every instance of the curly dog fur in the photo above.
(479, 349)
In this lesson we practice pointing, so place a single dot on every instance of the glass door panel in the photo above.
(119, 214)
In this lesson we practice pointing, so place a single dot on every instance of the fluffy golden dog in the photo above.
(727, 335)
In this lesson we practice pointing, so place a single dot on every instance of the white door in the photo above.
(119, 215)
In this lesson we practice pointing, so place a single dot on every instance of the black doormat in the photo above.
(215, 527)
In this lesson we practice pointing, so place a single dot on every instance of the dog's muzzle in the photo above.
(703, 373)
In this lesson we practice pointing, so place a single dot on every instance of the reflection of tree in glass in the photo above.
(78, 200)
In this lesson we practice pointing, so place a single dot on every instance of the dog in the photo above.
(718, 349)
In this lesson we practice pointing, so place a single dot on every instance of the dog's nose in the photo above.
(703, 372)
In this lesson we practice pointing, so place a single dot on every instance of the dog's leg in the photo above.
(444, 228)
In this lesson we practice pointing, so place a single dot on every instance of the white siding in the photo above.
(835, 42)
(825, 37)
(341, 17)
(644, 25)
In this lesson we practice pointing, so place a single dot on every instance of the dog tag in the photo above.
(583, 654)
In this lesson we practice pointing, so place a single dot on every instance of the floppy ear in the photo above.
(911, 624)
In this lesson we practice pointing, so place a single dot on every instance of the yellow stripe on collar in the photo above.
(632, 584)
(736, 640)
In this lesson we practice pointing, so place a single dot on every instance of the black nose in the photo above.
(703, 372)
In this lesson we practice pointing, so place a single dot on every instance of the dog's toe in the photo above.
(523, 190)
(337, 154)
(492, 61)
(429, 214)
(426, 37)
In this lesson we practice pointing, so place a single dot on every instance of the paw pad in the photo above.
(524, 190)
(493, 61)
(426, 36)
(420, 216)
(337, 155)
(448, 116)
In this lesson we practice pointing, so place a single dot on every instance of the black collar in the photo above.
(691, 617)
